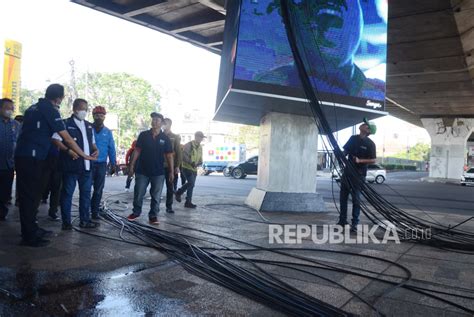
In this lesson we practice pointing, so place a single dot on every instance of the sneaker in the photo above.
(178, 197)
(132, 217)
(170, 210)
(154, 221)
(53, 217)
(89, 225)
(189, 205)
(353, 229)
(35, 243)
(343, 224)
(95, 217)
(66, 226)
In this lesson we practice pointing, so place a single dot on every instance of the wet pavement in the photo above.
(84, 275)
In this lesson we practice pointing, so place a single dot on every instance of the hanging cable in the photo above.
(377, 209)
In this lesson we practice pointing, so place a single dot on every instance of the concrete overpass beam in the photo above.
(287, 165)
(449, 137)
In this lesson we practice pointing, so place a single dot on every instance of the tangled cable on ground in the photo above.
(205, 254)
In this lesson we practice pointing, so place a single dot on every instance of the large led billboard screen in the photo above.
(345, 46)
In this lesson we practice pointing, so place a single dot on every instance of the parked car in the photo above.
(467, 179)
(375, 173)
(215, 166)
(242, 169)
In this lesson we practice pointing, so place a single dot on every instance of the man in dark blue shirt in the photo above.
(9, 129)
(151, 149)
(361, 151)
(40, 122)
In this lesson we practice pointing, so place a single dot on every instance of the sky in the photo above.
(54, 32)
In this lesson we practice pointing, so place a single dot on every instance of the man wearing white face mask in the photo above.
(9, 129)
(75, 169)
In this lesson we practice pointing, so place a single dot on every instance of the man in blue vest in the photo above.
(40, 122)
(9, 129)
(104, 140)
(75, 169)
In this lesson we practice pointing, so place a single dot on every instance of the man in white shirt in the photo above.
(74, 168)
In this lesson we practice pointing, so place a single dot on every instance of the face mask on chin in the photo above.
(99, 122)
(81, 114)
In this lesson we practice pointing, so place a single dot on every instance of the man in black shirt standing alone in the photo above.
(361, 151)
(153, 147)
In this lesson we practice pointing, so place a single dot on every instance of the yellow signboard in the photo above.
(11, 71)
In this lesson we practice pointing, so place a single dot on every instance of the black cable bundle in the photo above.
(258, 285)
(379, 210)
(216, 262)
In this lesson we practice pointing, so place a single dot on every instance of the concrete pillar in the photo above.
(448, 146)
(287, 165)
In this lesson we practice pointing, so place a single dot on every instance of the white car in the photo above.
(468, 177)
(375, 173)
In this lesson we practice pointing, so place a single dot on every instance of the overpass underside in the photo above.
(430, 62)
(430, 76)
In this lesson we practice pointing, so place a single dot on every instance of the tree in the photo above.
(419, 152)
(131, 98)
(246, 134)
(27, 98)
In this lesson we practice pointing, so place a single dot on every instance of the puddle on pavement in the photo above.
(80, 292)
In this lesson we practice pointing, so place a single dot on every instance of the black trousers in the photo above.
(170, 188)
(6, 182)
(29, 172)
(51, 183)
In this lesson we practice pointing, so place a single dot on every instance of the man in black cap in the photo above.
(148, 165)
(192, 158)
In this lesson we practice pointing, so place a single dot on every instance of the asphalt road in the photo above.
(404, 189)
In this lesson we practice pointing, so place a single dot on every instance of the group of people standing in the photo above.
(51, 154)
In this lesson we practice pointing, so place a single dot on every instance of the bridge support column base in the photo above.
(287, 165)
(285, 202)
